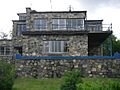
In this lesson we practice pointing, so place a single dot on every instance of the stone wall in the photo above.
(56, 68)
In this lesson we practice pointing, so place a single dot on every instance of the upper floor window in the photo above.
(75, 24)
(59, 24)
(55, 46)
(5, 50)
(40, 24)
(96, 27)
(22, 17)
(68, 24)
(20, 28)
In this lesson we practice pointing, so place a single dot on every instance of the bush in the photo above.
(100, 84)
(71, 78)
(7, 74)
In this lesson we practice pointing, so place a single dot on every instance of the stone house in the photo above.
(52, 42)
(56, 33)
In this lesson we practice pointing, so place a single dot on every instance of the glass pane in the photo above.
(52, 46)
(59, 46)
(68, 23)
(2, 50)
(62, 24)
(80, 23)
(56, 46)
(7, 50)
(55, 24)
(40, 24)
(74, 23)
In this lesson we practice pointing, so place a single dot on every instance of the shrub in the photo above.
(7, 74)
(99, 84)
(70, 79)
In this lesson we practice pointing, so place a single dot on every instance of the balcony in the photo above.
(90, 28)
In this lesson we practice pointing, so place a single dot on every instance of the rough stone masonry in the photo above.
(56, 68)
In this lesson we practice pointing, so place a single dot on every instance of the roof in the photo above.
(19, 20)
(33, 12)
(5, 39)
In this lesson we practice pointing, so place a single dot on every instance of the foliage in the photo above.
(7, 74)
(111, 44)
(99, 84)
(71, 78)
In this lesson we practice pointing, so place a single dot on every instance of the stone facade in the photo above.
(56, 68)
(77, 45)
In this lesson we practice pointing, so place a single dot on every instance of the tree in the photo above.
(3, 35)
(111, 44)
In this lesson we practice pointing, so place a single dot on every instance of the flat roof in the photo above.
(34, 11)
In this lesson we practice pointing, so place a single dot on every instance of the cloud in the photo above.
(94, 4)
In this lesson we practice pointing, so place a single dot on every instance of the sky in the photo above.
(106, 10)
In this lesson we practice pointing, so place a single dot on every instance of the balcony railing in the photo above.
(87, 27)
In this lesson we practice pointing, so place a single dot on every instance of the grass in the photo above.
(36, 84)
(54, 84)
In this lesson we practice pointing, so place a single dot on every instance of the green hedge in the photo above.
(7, 75)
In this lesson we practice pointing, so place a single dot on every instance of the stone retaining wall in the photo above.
(56, 68)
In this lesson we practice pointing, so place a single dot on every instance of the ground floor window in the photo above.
(5, 50)
(55, 46)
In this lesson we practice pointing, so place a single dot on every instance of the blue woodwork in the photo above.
(20, 57)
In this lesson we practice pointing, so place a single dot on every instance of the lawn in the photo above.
(37, 84)
(54, 84)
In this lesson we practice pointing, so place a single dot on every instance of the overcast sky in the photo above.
(108, 10)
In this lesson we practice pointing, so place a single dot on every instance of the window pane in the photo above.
(40, 24)
(62, 24)
(7, 50)
(2, 50)
(68, 23)
(20, 28)
(80, 23)
(55, 24)
(74, 23)
(56, 46)
(59, 46)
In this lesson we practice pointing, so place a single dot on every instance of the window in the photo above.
(22, 17)
(68, 24)
(40, 24)
(94, 27)
(59, 24)
(20, 28)
(75, 24)
(55, 46)
(5, 50)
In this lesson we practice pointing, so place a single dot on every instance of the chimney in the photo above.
(28, 10)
